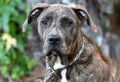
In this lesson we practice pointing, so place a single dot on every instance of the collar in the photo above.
(52, 71)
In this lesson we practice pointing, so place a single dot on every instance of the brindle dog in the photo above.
(70, 55)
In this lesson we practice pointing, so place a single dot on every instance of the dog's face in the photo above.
(58, 27)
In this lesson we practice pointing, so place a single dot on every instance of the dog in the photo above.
(70, 55)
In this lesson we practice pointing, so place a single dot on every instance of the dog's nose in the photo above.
(54, 39)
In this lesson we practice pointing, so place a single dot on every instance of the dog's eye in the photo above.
(68, 22)
(65, 22)
(44, 22)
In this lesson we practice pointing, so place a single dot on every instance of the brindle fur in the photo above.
(92, 66)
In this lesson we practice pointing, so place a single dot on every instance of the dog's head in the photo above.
(59, 27)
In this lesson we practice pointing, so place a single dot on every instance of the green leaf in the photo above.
(15, 73)
(6, 60)
(5, 20)
(31, 64)
(1, 46)
(15, 76)
(4, 71)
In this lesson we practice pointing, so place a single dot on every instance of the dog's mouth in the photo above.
(54, 54)
(51, 57)
(58, 49)
(53, 51)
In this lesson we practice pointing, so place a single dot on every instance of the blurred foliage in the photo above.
(14, 62)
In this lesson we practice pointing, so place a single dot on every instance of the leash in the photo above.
(52, 71)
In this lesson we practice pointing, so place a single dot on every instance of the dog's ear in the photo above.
(34, 13)
(83, 15)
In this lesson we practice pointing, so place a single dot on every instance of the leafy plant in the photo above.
(14, 62)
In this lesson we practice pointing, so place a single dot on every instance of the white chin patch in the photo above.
(58, 64)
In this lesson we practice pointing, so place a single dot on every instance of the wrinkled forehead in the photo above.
(59, 11)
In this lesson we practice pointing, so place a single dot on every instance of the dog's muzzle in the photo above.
(54, 42)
